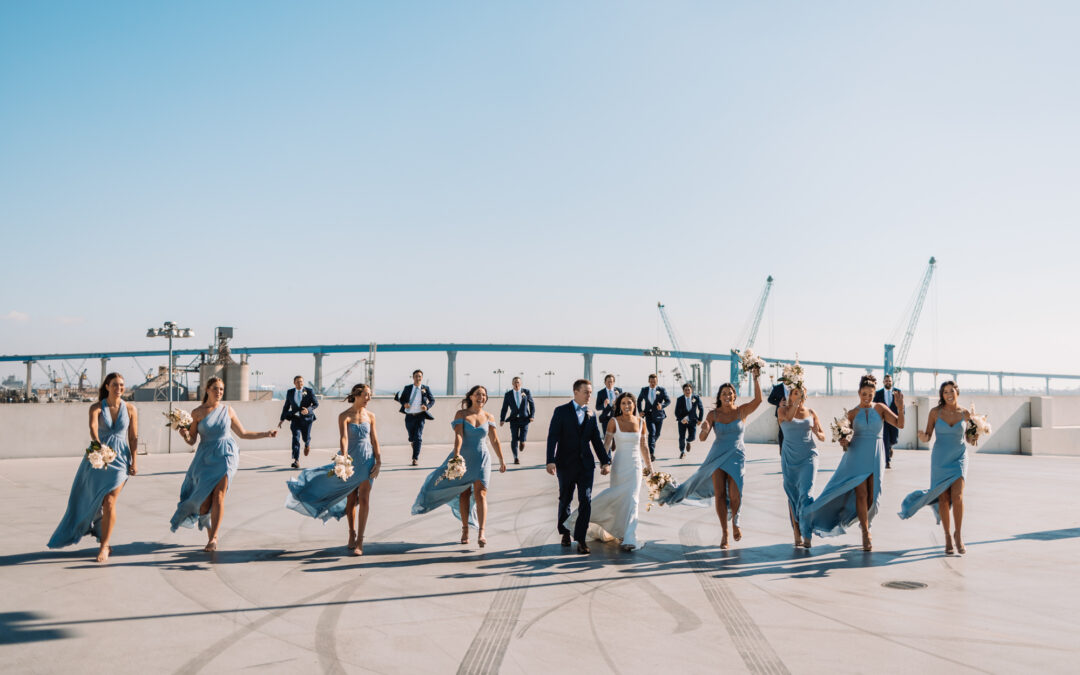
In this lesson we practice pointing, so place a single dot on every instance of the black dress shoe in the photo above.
(888, 465)
(295, 464)
(307, 449)
(566, 539)
(414, 462)
(517, 461)
(682, 454)
(582, 548)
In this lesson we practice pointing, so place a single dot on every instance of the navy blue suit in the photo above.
(606, 412)
(299, 424)
(414, 422)
(568, 449)
(693, 414)
(520, 416)
(776, 397)
(654, 414)
(889, 433)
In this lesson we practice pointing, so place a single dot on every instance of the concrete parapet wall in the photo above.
(60, 429)
(1054, 427)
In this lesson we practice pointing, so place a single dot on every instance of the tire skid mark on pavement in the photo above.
(756, 652)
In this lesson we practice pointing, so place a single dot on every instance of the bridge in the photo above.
(452, 349)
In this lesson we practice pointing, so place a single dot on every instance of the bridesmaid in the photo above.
(948, 465)
(799, 456)
(320, 494)
(722, 472)
(202, 496)
(472, 425)
(91, 505)
(855, 487)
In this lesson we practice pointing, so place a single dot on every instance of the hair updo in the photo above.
(356, 390)
(867, 380)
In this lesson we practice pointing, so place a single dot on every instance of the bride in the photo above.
(615, 510)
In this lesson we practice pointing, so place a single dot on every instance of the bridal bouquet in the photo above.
(748, 360)
(178, 419)
(976, 426)
(794, 376)
(342, 467)
(660, 485)
(455, 469)
(841, 429)
(99, 455)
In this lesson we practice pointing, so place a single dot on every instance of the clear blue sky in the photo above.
(542, 172)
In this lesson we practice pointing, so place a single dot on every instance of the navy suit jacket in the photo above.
(696, 413)
(526, 412)
(568, 442)
(776, 397)
(879, 397)
(601, 398)
(654, 410)
(290, 411)
(425, 399)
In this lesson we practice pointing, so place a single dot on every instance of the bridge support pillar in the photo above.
(1048, 386)
(828, 381)
(911, 381)
(316, 381)
(104, 367)
(29, 372)
(588, 366)
(451, 373)
(1001, 384)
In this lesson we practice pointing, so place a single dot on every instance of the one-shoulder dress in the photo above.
(948, 463)
(833, 511)
(91, 485)
(728, 453)
(477, 468)
(318, 493)
(217, 457)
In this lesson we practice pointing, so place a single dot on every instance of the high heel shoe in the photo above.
(358, 546)
(480, 539)
(724, 541)
(866, 543)
(959, 544)
(465, 535)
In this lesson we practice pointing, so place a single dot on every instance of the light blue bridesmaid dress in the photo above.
(319, 494)
(798, 463)
(948, 463)
(216, 458)
(88, 490)
(727, 453)
(477, 468)
(833, 511)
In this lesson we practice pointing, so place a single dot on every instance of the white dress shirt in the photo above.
(416, 400)
(580, 410)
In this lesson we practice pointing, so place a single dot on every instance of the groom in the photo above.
(573, 429)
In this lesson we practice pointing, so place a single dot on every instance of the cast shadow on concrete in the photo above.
(18, 628)
(85, 553)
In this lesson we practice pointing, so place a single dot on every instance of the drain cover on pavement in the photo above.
(904, 585)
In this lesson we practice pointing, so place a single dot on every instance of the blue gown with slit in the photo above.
(320, 494)
(90, 487)
(217, 457)
(833, 511)
(728, 453)
(948, 464)
(477, 468)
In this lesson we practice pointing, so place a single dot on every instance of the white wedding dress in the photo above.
(615, 510)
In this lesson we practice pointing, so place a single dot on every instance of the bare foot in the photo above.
(736, 531)
(959, 543)
(358, 546)
(352, 541)
(211, 545)
(103, 553)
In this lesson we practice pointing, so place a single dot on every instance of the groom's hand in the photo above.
(605, 469)
(551, 469)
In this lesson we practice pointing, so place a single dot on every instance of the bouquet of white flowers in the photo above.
(178, 419)
(841, 429)
(748, 360)
(342, 467)
(455, 469)
(660, 485)
(99, 455)
(794, 376)
(977, 426)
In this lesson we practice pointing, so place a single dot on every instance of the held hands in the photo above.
(551, 469)
(272, 433)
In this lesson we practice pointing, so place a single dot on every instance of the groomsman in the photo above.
(415, 400)
(519, 402)
(651, 402)
(605, 401)
(300, 401)
(890, 434)
(689, 412)
(777, 396)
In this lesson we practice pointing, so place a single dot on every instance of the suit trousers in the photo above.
(301, 432)
(889, 436)
(518, 431)
(582, 481)
(414, 424)
(653, 428)
(686, 435)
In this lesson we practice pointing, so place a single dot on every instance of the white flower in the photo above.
(96, 460)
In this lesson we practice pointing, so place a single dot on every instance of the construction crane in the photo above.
(682, 372)
(750, 330)
(896, 365)
(336, 386)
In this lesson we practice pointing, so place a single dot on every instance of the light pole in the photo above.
(499, 372)
(656, 353)
(169, 330)
(466, 381)
(549, 374)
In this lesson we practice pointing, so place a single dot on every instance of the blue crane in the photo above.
(895, 366)
(750, 331)
(682, 373)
